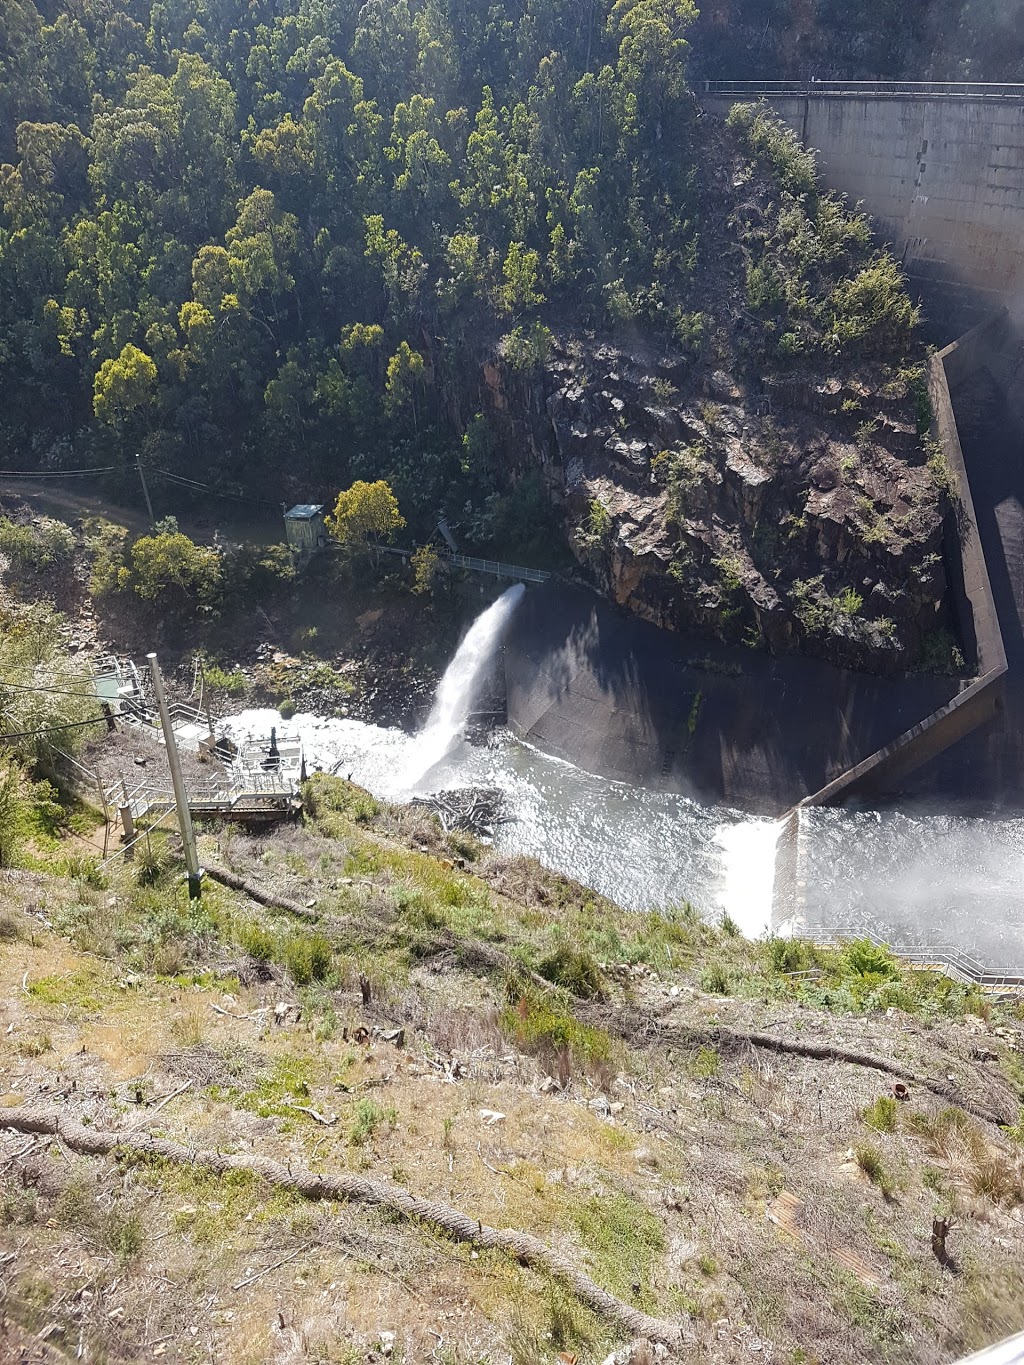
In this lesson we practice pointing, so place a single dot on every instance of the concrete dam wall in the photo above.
(735, 727)
(939, 167)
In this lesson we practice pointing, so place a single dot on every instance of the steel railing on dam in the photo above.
(948, 959)
(814, 89)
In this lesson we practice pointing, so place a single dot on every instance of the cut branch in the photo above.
(829, 1052)
(399, 1202)
(261, 897)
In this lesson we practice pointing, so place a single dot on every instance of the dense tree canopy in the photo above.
(269, 243)
(260, 239)
(946, 40)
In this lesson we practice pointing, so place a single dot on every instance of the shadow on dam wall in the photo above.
(985, 769)
(590, 683)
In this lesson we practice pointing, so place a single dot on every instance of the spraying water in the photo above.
(458, 688)
(644, 849)
(748, 872)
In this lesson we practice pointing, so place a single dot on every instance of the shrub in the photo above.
(326, 796)
(539, 1027)
(35, 546)
(1000, 1179)
(229, 683)
(152, 861)
(308, 957)
(940, 654)
(574, 969)
(789, 955)
(259, 943)
(949, 1134)
(14, 811)
(774, 143)
(108, 545)
(123, 1234)
(866, 959)
(849, 602)
(367, 1117)
(716, 980)
(706, 1064)
(597, 530)
(870, 313)
(882, 1115)
(869, 1159)
(938, 467)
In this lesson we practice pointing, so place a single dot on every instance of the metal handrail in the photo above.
(492, 566)
(1010, 90)
(945, 955)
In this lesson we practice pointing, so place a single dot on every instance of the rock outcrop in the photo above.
(799, 513)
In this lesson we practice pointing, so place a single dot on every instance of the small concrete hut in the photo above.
(304, 529)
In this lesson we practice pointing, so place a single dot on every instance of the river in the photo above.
(643, 849)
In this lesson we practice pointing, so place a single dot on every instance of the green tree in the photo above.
(364, 515)
(404, 376)
(124, 387)
(426, 565)
(169, 568)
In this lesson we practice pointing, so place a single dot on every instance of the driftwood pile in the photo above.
(475, 809)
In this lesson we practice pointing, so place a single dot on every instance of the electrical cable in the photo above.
(53, 729)
(54, 473)
(56, 691)
(206, 488)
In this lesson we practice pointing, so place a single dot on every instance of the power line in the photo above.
(206, 488)
(56, 691)
(52, 729)
(54, 473)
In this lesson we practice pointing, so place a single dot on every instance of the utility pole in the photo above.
(188, 837)
(145, 490)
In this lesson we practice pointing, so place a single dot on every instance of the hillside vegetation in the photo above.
(275, 248)
(291, 1135)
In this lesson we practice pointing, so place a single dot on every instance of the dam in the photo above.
(940, 168)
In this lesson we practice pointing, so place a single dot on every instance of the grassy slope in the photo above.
(654, 1158)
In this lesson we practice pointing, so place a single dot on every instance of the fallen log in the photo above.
(256, 893)
(395, 1199)
(725, 1038)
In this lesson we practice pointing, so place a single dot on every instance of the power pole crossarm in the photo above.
(188, 837)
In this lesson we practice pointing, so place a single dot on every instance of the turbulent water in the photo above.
(925, 879)
(929, 880)
(644, 849)
(458, 688)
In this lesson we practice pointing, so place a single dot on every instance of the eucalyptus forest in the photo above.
(274, 243)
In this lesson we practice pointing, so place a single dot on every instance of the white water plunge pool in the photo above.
(643, 849)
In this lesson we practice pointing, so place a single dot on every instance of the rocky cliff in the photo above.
(769, 480)
(799, 514)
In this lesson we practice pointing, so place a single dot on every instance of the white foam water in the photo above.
(645, 850)
(459, 686)
(748, 872)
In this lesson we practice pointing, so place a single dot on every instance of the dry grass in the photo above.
(654, 1168)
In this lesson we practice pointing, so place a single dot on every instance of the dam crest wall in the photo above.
(940, 168)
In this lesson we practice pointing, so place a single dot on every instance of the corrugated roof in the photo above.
(304, 511)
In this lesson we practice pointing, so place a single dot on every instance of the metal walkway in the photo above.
(946, 958)
(518, 572)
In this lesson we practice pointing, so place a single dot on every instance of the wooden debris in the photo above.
(315, 1114)
(474, 809)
